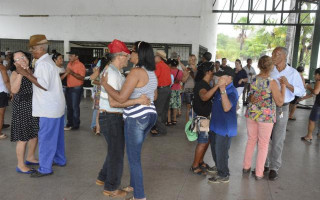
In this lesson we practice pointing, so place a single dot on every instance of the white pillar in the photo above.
(66, 45)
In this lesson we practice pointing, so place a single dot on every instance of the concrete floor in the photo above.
(166, 162)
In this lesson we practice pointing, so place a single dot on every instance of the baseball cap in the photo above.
(225, 71)
(73, 52)
(117, 46)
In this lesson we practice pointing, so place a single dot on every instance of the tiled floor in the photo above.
(166, 162)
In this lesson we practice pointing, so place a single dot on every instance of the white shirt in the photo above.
(61, 70)
(115, 80)
(293, 78)
(50, 103)
(248, 71)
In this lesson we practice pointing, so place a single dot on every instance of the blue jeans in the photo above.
(112, 129)
(93, 120)
(135, 131)
(73, 106)
(220, 146)
(65, 109)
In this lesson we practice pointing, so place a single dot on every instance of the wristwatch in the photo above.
(223, 92)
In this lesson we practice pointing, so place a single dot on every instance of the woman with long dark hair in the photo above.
(202, 104)
(24, 127)
(139, 119)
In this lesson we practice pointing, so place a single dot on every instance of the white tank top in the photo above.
(3, 87)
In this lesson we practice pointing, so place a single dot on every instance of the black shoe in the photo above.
(37, 174)
(266, 170)
(246, 171)
(273, 175)
(5, 126)
(74, 128)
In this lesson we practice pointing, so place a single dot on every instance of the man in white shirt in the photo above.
(289, 76)
(111, 121)
(251, 73)
(48, 104)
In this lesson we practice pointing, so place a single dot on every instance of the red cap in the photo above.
(116, 46)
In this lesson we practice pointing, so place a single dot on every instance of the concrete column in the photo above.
(315, 45)
(66, 45)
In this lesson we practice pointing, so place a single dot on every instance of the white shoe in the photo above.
(67, 128)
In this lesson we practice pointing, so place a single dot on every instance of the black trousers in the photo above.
(162, 107)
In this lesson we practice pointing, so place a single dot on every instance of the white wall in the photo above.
(165, 21)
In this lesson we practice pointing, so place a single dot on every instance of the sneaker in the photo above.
(206, 168)
(273, 175)
(218, 179)
(67, 128)
(212, 170)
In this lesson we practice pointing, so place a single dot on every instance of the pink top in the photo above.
(177, 75)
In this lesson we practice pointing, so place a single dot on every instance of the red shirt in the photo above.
(76, 67)
(163, 74)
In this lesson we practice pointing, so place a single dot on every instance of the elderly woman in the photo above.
(138, 119)
(24, 127)
(261, 115)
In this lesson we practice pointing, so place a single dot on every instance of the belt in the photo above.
(104, 111)
(163, 86)
(285, 104)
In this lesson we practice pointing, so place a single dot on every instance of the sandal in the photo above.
(292, 119)
(306, 140)
(97, 133)
(174, 122)
(196, 170)
(168, 123)
(3, 136)
(128, 189)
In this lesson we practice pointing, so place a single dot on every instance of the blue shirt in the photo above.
(224, 123)
(293, 78)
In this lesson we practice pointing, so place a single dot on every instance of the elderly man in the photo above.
(111, 121)
(162, 103)
(48, 104)
(283, 73)
(76, 72)
(223, 123)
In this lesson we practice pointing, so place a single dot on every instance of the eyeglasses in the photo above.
(22, 57)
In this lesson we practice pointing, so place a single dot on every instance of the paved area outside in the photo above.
(166, 162)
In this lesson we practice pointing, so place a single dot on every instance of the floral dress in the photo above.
(265, 109)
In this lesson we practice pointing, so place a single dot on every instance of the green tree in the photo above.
(243, 30)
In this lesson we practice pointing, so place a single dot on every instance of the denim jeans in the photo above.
(93, 120)
(73, 106)
(65, 109)
(135, 131)
(220, 146)
(111, 126)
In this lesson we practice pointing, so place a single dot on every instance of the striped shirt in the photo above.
(138, 110)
